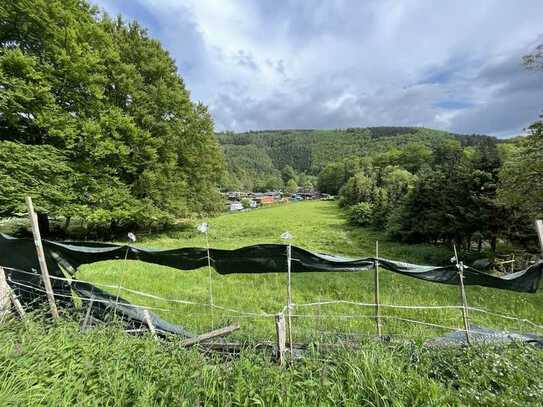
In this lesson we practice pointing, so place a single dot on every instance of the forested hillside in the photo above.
(264, 159)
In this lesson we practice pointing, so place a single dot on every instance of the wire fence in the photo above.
(315, 320)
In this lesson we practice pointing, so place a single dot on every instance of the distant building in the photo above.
(235, 206)
(264, 199)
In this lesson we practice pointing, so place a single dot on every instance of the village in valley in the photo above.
(242, 201)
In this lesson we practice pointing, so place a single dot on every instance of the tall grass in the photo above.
(58, 365)
(318, 226)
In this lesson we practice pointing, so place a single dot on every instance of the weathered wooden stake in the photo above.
(281, 338)
(465, 317)
(539, 230)
(149, 322)
(289, 293)
(87, 315)
(41, 258)
(11, 295)
(376, 288)
(7, 292)
(5, 302)
(212, 334)
(17, 304)
(210, 278)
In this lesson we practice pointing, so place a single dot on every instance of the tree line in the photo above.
(446, 192)
(96, 123)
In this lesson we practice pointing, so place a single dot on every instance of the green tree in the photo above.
(414, 156)
(520, 179)
(110, 100)
(359, 188)
(292, 186)
(288, 173)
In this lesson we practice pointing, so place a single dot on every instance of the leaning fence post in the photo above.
(281, 337)
(376, 288)
(41, 258)
(539, 231)
(288, 237)
(460, 267)
(88, 315)
(4, 296)
(10, 295)
(149, 322)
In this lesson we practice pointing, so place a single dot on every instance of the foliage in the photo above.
(292, 186)
(110, 101)
(311, 151)
(246, 203)
(361, 214)
(109, 367)
(521, 176)
(359, 188)
(288, 173)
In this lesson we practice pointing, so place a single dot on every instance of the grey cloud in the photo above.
(338, 63)
(245, 59)
(516, 102)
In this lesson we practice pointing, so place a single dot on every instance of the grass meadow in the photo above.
(318, 226)
(45, 363)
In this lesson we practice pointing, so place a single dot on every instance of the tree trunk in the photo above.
(43, 224)
(67, 224)
(493, 243)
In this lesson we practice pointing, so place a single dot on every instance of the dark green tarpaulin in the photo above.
(19, 258)
(263, 258)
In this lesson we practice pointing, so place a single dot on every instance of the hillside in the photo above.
(257, 158)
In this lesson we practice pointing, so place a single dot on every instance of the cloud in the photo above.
(338, 63)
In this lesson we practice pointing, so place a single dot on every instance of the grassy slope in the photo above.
(44, 364)
(317, 226)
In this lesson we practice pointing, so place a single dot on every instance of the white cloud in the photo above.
(452, 65)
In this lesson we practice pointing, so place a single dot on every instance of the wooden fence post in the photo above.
(7, 295)
(539, 230)
(376, 288)
(289, 254)
(149, 322)
(5, 303)
(288, 237)
(465, 318)
(41, 258)
(281, 337)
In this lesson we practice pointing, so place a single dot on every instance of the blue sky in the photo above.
(452, 65)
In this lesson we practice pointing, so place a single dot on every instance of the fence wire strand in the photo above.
(238, 313)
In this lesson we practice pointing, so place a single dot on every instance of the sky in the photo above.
(263, 64)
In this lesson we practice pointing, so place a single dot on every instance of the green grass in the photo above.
(318, 226)
(57, 365)
(43, 363)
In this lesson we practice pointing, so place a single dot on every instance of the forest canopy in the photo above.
(96, 122)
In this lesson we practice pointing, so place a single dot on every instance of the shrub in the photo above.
(360, 214)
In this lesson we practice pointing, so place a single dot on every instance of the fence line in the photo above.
(363, 304)
(236, 313)
(266, 314)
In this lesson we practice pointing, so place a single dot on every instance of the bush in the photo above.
(246, 202)
(360, 214)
